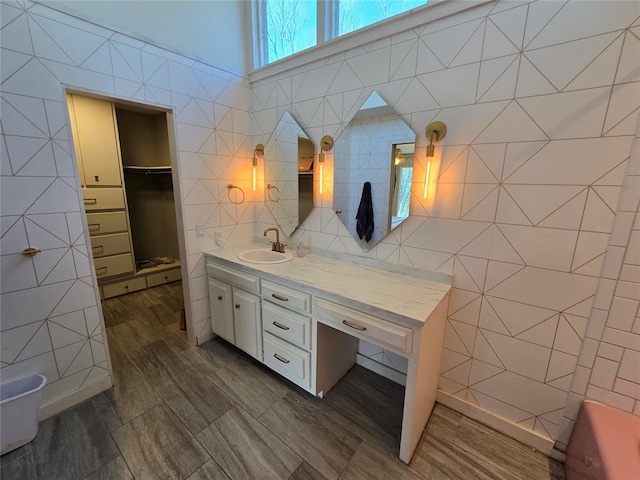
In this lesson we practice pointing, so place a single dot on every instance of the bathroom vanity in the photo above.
(303, 318)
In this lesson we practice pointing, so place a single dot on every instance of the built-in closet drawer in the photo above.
(286, 297)
(291, 362)
(114, 265)
(246, 282)
(108, 222)
(288, 325)
(124, 287)
(161, 278)
(103, 199)
(112, 244)
(376, 330)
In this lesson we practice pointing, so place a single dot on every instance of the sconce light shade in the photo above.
(435, 132)
(326, 144)
(257, 152)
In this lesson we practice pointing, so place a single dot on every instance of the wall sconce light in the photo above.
(398, 157)
(326, 144)
(436, 131)
(257, 152)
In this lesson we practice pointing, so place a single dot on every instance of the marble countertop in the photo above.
(369, 289)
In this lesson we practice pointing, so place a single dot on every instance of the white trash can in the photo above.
(19, 406)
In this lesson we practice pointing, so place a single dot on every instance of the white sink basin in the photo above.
(264, 256)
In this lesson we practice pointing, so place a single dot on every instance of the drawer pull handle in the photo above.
(281, 359)
(90, 201)
(30, 252)
(237, 305)
(353, 325)
(94, 226)
(279, 297)
(279, 325)
(219, 297)
(97, 177)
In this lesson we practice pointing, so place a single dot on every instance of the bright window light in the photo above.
(355, 14)
(284, 27)
(291, 27)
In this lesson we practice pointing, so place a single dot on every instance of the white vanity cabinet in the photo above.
(287, 333)
(314, 311)
(235, 308)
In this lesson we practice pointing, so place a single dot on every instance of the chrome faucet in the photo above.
(275, 246)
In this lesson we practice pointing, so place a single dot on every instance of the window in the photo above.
(285, 27)
(355, 14)
(291, 27)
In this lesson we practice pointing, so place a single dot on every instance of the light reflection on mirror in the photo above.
(288, 171)
(375, 147)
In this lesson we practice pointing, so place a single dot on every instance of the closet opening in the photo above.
(125, 154)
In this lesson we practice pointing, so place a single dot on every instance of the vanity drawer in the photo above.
(286, 297)
(376, 330)
(113, 265)
(104, 245)
(103, 199)
(236, 278)
(161, 278)
(110, 222)
(288, 325)
(291, 362)
(126, 286)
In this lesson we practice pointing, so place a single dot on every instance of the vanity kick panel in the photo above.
(375, 330)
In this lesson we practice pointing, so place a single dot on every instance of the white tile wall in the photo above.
(611, 353)
(541, 102)
(50, 321)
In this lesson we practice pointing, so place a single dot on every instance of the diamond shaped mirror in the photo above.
(288, 172)
(373, 170)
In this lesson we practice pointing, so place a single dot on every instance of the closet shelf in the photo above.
(159, 170)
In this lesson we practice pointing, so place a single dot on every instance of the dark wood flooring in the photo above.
(211, 412)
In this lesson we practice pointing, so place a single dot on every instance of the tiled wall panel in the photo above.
(50, 322)
(541, 102)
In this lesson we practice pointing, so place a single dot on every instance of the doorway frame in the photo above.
(177, 194)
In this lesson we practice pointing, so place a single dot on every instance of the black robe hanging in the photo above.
(364, 218)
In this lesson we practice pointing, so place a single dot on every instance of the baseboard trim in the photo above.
(538, 442)
(79, 396)
(377, 367)
(205, 337)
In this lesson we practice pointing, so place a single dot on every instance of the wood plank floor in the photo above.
(212, 412)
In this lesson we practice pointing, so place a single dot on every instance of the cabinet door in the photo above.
(220, 299)
(98, 141)
(246, 314)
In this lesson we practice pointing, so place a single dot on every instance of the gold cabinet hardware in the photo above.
(353, 325)
(30, 252)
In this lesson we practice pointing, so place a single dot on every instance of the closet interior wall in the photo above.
(144, 143)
